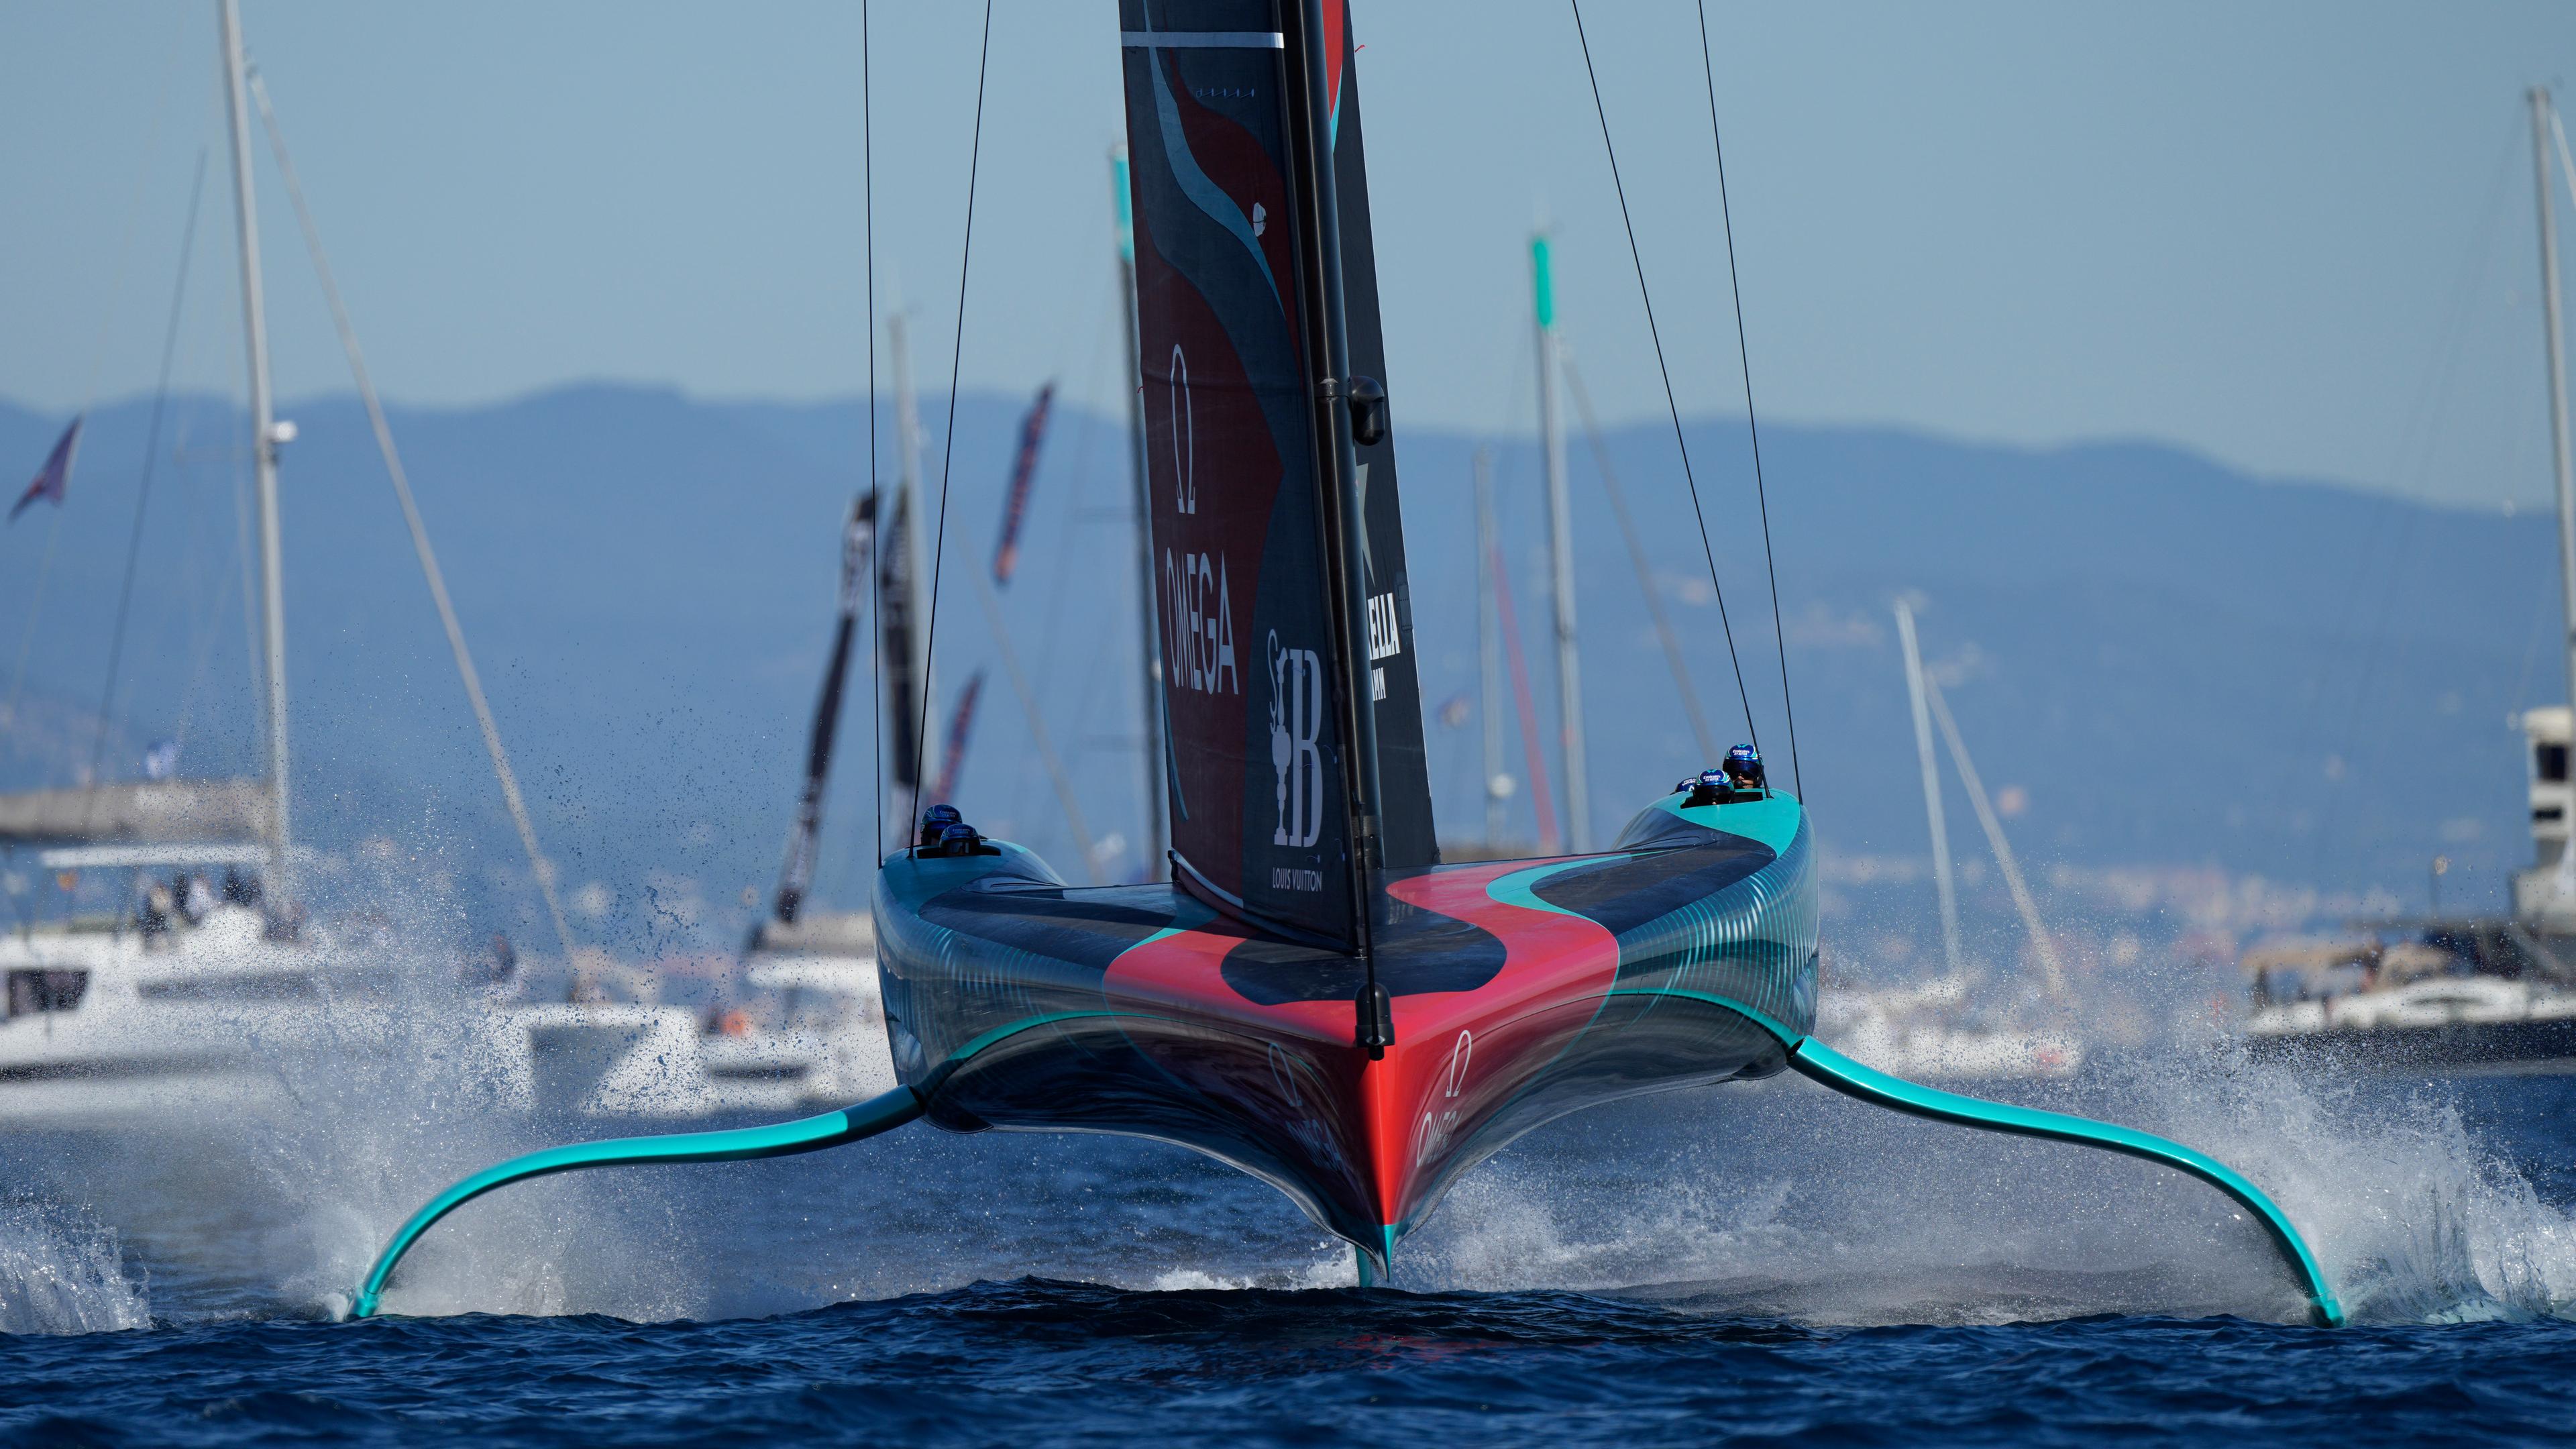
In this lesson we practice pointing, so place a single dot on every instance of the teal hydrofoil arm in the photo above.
(1821, 1064)
(1811, 1058)
(741, 1144)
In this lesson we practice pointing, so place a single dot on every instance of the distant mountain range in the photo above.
(2161, 663)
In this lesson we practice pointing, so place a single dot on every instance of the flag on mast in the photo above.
(55, 475)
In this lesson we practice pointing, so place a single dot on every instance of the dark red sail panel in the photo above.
(1258, 804)
(961, 725)
(1024, 471)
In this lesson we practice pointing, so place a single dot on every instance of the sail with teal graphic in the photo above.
(1245, 491)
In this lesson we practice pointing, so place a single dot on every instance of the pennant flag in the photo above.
(55, 475)
(1015, 507)
(960, 724)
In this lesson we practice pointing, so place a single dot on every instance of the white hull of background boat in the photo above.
(103, 1026)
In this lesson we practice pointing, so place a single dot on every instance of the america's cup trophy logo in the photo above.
(1279, 747)
(1296, 717)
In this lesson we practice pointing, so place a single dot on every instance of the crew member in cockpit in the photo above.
(1744, 771)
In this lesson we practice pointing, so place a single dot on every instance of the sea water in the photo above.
(1751, 1263)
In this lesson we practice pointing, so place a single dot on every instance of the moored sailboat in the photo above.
(198, 999)
(2460, 992)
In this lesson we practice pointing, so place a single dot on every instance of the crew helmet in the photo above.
(936, 820)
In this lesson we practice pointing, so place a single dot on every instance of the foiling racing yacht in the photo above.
(1316, 998)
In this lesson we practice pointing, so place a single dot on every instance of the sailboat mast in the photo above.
(1941, 878)
(1149, 719)
(1312, 182)
(1489, 649)
(266, 435)
(912, 704)
(2540, 128)
(804, 837)
(1560, 547)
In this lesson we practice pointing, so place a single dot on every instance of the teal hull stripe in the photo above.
(783, 1139)
(1826, 1067)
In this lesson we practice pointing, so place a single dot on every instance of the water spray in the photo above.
(1809, 1057)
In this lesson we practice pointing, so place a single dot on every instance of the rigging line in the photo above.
(2566, 163)
(1752, 426)
(254, 663)
(1671, 404)
(1045, 745)
(2412, 450)
(2378, 644)
(956, 357)
(2412, 456)
(2417, 438)
(2040, 942)
(1710, 749)
(98, 357)
(1076, 492)
(205, 621)
(202, 653)
(877, 532)
(143, 491)
(1542, 796)
(508, 778)
(2531, 651)
(179, 41)
(27, 636)
(235, 425)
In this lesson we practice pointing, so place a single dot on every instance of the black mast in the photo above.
(796, 875)
(1336, 396)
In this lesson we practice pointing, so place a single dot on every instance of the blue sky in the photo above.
(2295, 236)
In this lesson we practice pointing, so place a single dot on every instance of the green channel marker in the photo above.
(739, 1144)
(1821, 1064)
